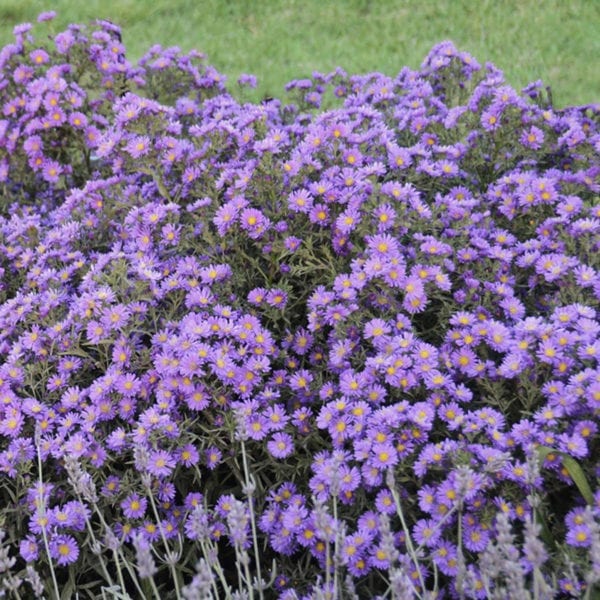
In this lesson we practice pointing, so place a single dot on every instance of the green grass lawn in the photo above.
(279, 40)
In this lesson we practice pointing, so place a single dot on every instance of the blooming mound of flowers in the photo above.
(343, 346)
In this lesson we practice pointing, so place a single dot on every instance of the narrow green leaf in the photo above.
(578, 476)
(547, 536)
(573, 469)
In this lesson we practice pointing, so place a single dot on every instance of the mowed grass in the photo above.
(557, 41)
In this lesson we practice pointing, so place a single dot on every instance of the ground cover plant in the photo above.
(274, 351)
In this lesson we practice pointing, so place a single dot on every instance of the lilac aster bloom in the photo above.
(28, 549)
(254, 222)
(384, 502)
(111, 486)
(134, 506)
(276, 298)
(300, 201)
(188, 455)
(64, 549)
(475, 537)
(281, 445)
(138, 146)
(446, 558)
(161, 463)
(292, 243)
(256, 426)
(212, 457)
(46, 16)
(39, 56)
(247, 80)
(51, 170)
(380, 557)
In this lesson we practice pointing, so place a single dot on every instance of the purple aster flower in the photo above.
(347, 221)
(117, 439)
(573, 445)
(111, 486)
(579, 535)
(301, 380)
(303, 341)
(247, 80)
(51, 170)
(214, 273)
(161, 463)
(149, 531)
(46, 16)
(358, 565)
(300, 201)
(224, 505)
(380, 556)
(28, 549)
(349, 477)
(571, 586)
(319, 214)
(256, 426)
(72, 515)
(254, 222)
(39, 56)
(475, 537)
(445, 557)
(292, 243)
(384, 501)
(368, 524)
(276, 298)
(128, 384)
(188, 455)
(115, 317)
(212, 457)
(95, 331)
(64, 549)
(532, 138)
(354, 547)
(306, 533)
(12, 423)
(281, 445)
(138, 146)
(490, 118)
(134, 506)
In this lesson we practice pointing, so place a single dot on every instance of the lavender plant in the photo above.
(275, 351)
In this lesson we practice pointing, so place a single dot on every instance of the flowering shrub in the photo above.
(275, 351)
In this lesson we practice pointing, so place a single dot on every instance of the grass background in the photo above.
(557, 41)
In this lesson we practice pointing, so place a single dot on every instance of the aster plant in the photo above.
(342, 345)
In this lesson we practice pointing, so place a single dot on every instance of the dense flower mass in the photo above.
(344, 346)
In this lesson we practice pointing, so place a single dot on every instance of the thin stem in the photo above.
(220, 574)
(409, 544)
(238, 570)
(461, 558)
(94, 542)
(155, 591)
(16, 593)
(438, 525)
(42, 509)
(119, 551)
(133, 575)
(119, 572)
(166, 544)
(335, 547)
(252, 521)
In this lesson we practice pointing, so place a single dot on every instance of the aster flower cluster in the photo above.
(346, 352)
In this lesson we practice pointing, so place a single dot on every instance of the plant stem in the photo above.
(42, 508)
